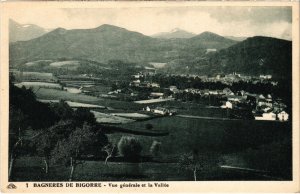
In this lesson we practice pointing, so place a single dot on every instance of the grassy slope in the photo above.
(51, 94)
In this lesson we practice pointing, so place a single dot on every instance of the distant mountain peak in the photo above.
(60, 30)
(24, 32)
(108, 27)
(174, 33)
(209, 34)
(178, 30)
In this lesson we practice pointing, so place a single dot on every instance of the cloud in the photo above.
(253, 14)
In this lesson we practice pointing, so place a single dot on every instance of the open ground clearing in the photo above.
(108, 118)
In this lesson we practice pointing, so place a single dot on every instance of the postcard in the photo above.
(168, 96)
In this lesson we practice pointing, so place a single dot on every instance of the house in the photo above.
(283, 116)
(133, 94)
(156, 94)
(227, 105)
(148, 109)
(135, 83)
(137, 76)
(211, 50)
(267, 117)
(261, 96)
(265, 76)
(234, 98)
(264, 102)
(266, 109)
(227, 91)
(172, 88)
(155, 85)
(160, 110)
(213, 92)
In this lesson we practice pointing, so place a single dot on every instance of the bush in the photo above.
(130, 147)
(149, 126)
(155, 148)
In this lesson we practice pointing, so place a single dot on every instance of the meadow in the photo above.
(32, 169)
(35, 76)
(52, 94)
(257, 143)
(213, 135)
(108, 118)
(39, 84)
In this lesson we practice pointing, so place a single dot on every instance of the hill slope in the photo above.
(18, 32)
(211, 40)
(253, 56)
(256, 55)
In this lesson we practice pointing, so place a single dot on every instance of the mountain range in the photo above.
(105, 43)
(108, 42)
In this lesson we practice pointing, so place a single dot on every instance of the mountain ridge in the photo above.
(24, 32)
(106, 42)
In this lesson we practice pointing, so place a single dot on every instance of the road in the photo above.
(210, 118)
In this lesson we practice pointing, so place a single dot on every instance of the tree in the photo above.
(71, 149)
(155, 148)
(62, 110)
(82, 115)
(48, 138)
(130, 148)
(111, 150)
(149, 126)
(16, 133)
(198, 162)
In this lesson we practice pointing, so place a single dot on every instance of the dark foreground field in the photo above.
(246, 150)
(114, 171)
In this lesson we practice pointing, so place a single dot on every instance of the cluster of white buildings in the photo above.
(266, 107)
(271, 116)
(160, 111)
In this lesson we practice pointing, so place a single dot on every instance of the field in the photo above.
(107, 118)
(51, 94)
(39, 84)
(72, 90)
(31, 169)
(64, 63)
(34, 63)
(158, 65)
(242, 140)
(151, 101)
(34, 76)
(186, 133)
(83, 105)
(132, 115)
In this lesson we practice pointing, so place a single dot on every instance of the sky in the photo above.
(223, 20)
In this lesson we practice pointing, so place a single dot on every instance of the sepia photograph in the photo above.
(185, 93)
